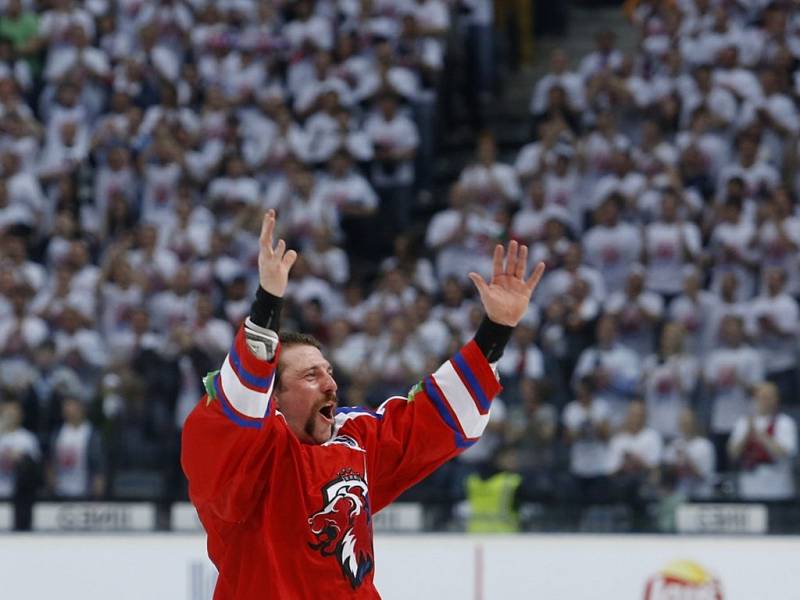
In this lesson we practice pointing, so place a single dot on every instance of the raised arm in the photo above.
(230, 438)
(445, 413)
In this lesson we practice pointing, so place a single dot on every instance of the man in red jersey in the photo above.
(285, 483)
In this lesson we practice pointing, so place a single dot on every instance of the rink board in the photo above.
(531, 567)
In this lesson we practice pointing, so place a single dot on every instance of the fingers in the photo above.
(512, 258)
(522, 262)
(267, 228)
(480, 282)
(280, 249)
(535, 277)
(497, 261)
(289, 258)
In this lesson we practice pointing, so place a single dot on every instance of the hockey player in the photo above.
(285, 483)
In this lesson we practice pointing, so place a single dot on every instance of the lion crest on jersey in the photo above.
(343, 528)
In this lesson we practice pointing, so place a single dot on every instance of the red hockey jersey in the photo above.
(294, 521)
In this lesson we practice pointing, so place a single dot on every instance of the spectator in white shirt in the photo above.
(562, 183)
(19, 458)
(395, 139)
(731, 249)
(612, 246)
(606, 56)
(558, 75)
(773, 321)
(778, 237)
(763, 446)
(637, 311)
(669, 244)
(493, 184)
(303, 203)
(669, 380)
(690, 458)
(723, 304)
(461, 237)
(615, 369)
(759, 176)
(356, 204)
(21, 331)
(559, 281)
(729, 373)
(634, 456)
(76, 463)
(586, 432)
(327, 260)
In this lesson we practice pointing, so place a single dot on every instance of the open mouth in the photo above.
(327, 412)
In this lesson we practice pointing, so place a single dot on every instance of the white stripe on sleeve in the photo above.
(460, 400)
(246, 401)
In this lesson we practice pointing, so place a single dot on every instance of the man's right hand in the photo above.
(275, 263)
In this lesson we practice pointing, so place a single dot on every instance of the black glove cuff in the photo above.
(492, 338)
(266, 310)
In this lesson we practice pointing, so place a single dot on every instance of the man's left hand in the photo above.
(506, 297)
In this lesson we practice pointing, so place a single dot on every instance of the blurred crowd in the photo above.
(141, 142)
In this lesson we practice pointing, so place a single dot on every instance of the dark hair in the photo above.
(294, 338)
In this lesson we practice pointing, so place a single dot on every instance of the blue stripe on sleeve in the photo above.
(472, 381)
(261, 383)
(228, 409)
(438, 403)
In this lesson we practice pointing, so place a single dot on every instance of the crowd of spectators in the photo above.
(140, 143)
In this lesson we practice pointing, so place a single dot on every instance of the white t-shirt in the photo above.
(694, 316)
(728, 372)
(668, 387)
(352, 190)
(71, 460)
(730, 247)
(485, 182)
(700, 453)
(664, 245)
(570, 82)
(768, 481)
(646, 445)
(588, 454)
(774, 252)
(558, 283)
(623, 368)
(459, 257)
(397, 134)
(778, 350)
(612, 251)
(521, 362)
(636, 331)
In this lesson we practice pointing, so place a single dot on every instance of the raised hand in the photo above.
(506, 297)
(275, 263)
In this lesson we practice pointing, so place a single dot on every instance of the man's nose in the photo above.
(329, 383)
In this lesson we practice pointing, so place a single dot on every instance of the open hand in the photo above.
(275, 263)
(506, 297)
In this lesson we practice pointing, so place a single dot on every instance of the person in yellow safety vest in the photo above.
(492, 502)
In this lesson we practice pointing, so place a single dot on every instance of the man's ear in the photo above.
(276, 398)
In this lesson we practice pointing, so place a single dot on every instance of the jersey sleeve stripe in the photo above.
(471, 383)
(436, 397)
(229, 411)
(253, 381)
(483, 377)
(460, 400)
(247, 402)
